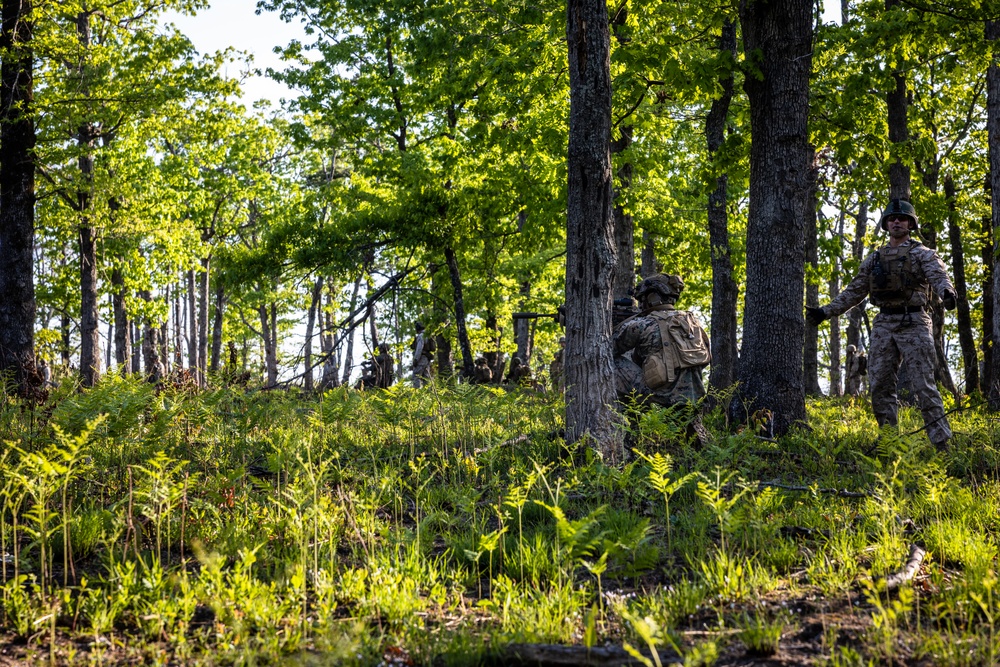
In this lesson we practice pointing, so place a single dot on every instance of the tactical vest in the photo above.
(896, 276)
(684, 345)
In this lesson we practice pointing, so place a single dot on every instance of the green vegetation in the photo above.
(439, 526)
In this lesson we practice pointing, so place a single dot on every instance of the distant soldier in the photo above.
(519, 373)
(423, 351)
(660, 353)
(556, 369)
(856, 366)
(900, 278)
(482, 373)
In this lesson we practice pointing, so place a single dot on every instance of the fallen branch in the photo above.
(897, 579)
(556, 655)
(842, 493)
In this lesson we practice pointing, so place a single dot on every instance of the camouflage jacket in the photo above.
(926, 270)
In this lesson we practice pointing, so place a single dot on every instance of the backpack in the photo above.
(685, 345)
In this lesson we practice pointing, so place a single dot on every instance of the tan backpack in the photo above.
(685, 345)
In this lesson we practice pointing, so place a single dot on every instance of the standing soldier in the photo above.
(900, 278)
(383, 367)
(669, 347)
(423, 351)
(856, 366)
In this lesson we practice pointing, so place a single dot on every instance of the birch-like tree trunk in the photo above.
(992, 34)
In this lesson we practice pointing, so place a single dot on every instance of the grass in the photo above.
(439, 525)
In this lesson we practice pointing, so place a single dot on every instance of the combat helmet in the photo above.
(667, 286)
(899, 207)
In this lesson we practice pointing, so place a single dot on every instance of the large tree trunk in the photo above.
(993, 134)
(590, 237)
(725, 353)
(463, 334)
(123, 347)
(150, 345)
(780, 157)
(810, 348)
(966, 339)
(17, 198)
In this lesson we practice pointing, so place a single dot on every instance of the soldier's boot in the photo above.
(942, 445)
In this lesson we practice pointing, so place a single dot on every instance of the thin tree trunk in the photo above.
(623, 282)
(966, 339)
(206, 265)
(314, 306)
(855, 314)
(522, 329)
(217, 322)
(349, 355)
(494, 357)
(780, 158)
(444, 356)
(987, 341)
(725, 352)
(178, 327)
(463, 334)
(123, 347)
(899, 133)
(591, 255)
(268, 324)
(137, 346)
(150, 345)
(810, 350)
(836, 378)
(647, 259)
(192, 319)
(17, 198)
(90, 358)
(992, 34)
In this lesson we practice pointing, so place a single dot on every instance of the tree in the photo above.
(777, 38)
(17, 196)
(590, 241)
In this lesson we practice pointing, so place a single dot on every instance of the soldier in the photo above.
(423, 351)
(482, 372)
(519, 373)
(556, 376)
(900, 279)
(669, 348)
(856, 366)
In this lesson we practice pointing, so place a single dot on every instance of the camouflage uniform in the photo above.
(483, 374)
(641, 335)
(384, 373)
(856, 366)
(902, 332)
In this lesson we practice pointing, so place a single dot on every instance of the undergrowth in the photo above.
(438, 526)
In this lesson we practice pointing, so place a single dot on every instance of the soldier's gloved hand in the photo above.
(949, 301)
(816, 316)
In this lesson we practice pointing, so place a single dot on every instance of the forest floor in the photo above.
(453, 526)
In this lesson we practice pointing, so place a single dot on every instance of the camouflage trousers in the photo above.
(421, 372)
(688, 387)
(907, 339)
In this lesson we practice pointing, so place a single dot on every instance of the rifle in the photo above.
(559, 316)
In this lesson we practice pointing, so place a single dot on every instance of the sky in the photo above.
(233, 23)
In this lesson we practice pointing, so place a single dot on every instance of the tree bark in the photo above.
(854, 315)
(623, 283)
(725, 352)
(217, 322)
(463, 334)
(986, 251)
(314, 306)
(269, 333)
(522, 327)
(90, 356)
(192, 320)
(647, 258)
(349, 354)
(992, 34)
(150, 345)
(494, 357)
(206, 265)
(810, 349)
(123, 347)
(590, 239)
(897, 104)
(779, 35)
(836, 377)
(966, 339)
(17, 198)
